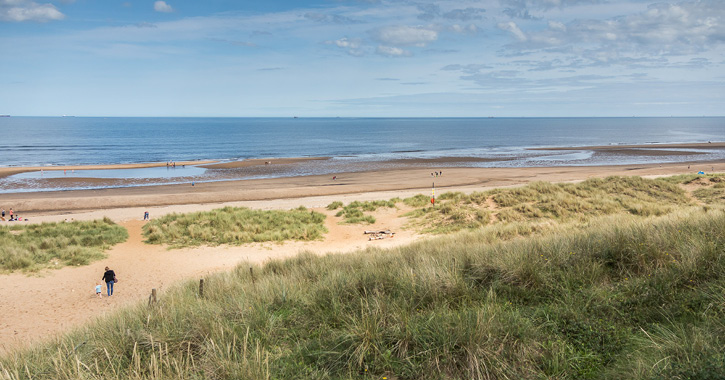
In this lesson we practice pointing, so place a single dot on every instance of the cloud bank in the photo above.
(24, 10)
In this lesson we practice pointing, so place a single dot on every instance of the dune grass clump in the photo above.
(235, 225)
(548, 201)
(335, 205)
(53, 245)
(354, 212)
(627, 297)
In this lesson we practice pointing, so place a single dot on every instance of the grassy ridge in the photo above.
(548, 201)
(37, 246)
(627, 297)
(353, 213)
(235, 225)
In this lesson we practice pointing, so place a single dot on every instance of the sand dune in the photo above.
(39, 306)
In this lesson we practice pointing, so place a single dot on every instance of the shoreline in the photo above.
(654, 149)
(707, 145)
(397, 179)
(11, 170)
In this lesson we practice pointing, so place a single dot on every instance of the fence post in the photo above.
(201, 288)
(152, 297)
(252, 274)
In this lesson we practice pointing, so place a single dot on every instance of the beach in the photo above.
(37, 307)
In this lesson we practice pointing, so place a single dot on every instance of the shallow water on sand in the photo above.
(353, 144)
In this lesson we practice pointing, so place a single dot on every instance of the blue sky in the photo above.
(362, 58)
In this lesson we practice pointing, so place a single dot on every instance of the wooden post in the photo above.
(201, 288)
(152, 297)
(252, 274)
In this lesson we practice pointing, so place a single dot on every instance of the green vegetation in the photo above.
(353, 213)
(334, 205)
(31, 247)
(710, 188)
(627, 297)
(234, 225)
(546, 201)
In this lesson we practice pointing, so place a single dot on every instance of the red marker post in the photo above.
(433, 194)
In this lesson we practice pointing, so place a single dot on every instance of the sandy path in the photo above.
(37, 307)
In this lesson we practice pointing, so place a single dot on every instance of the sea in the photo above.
(351, 144)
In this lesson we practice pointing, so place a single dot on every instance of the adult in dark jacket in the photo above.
(109, 277)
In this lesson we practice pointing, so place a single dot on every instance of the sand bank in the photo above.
(261, 162)
(8, 171)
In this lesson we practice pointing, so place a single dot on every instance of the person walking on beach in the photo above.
(146, 215)
(3, 214)
(11, 213)
(109, 277)
(98, 289)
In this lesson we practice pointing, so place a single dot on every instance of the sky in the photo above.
(362, 58)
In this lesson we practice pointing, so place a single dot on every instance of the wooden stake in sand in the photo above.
(201, 288)
(152, 297)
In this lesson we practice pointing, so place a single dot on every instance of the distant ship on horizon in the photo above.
(4, 115)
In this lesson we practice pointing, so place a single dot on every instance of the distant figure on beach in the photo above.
(109, 276)
(146, 215)
(334, 177)
(11, 213)
(3, 213)
(98, 289)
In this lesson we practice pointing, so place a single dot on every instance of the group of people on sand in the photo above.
(13, 216)
(436, 174)
(109, 277)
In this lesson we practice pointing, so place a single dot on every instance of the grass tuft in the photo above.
(233, 225)
(34, 247)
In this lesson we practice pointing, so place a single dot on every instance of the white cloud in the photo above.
(390, 51)
(513, 29)
(346, 43)
(24, 10)
(161, 6)
(406, 35)
(463, 29)
(656, 34)
(352, 45)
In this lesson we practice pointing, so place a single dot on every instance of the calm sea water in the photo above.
(26, 141)
(48, 141)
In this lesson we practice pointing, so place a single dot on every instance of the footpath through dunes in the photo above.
(36, 307)
(623, 297)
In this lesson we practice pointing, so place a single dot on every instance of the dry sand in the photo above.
(38, 306)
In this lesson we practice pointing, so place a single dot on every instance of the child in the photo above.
(98, 289)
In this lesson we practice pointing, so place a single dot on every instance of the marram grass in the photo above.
(539, 201)
(354, 212)
(626, 297)
(31, 247)
(235, 225)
